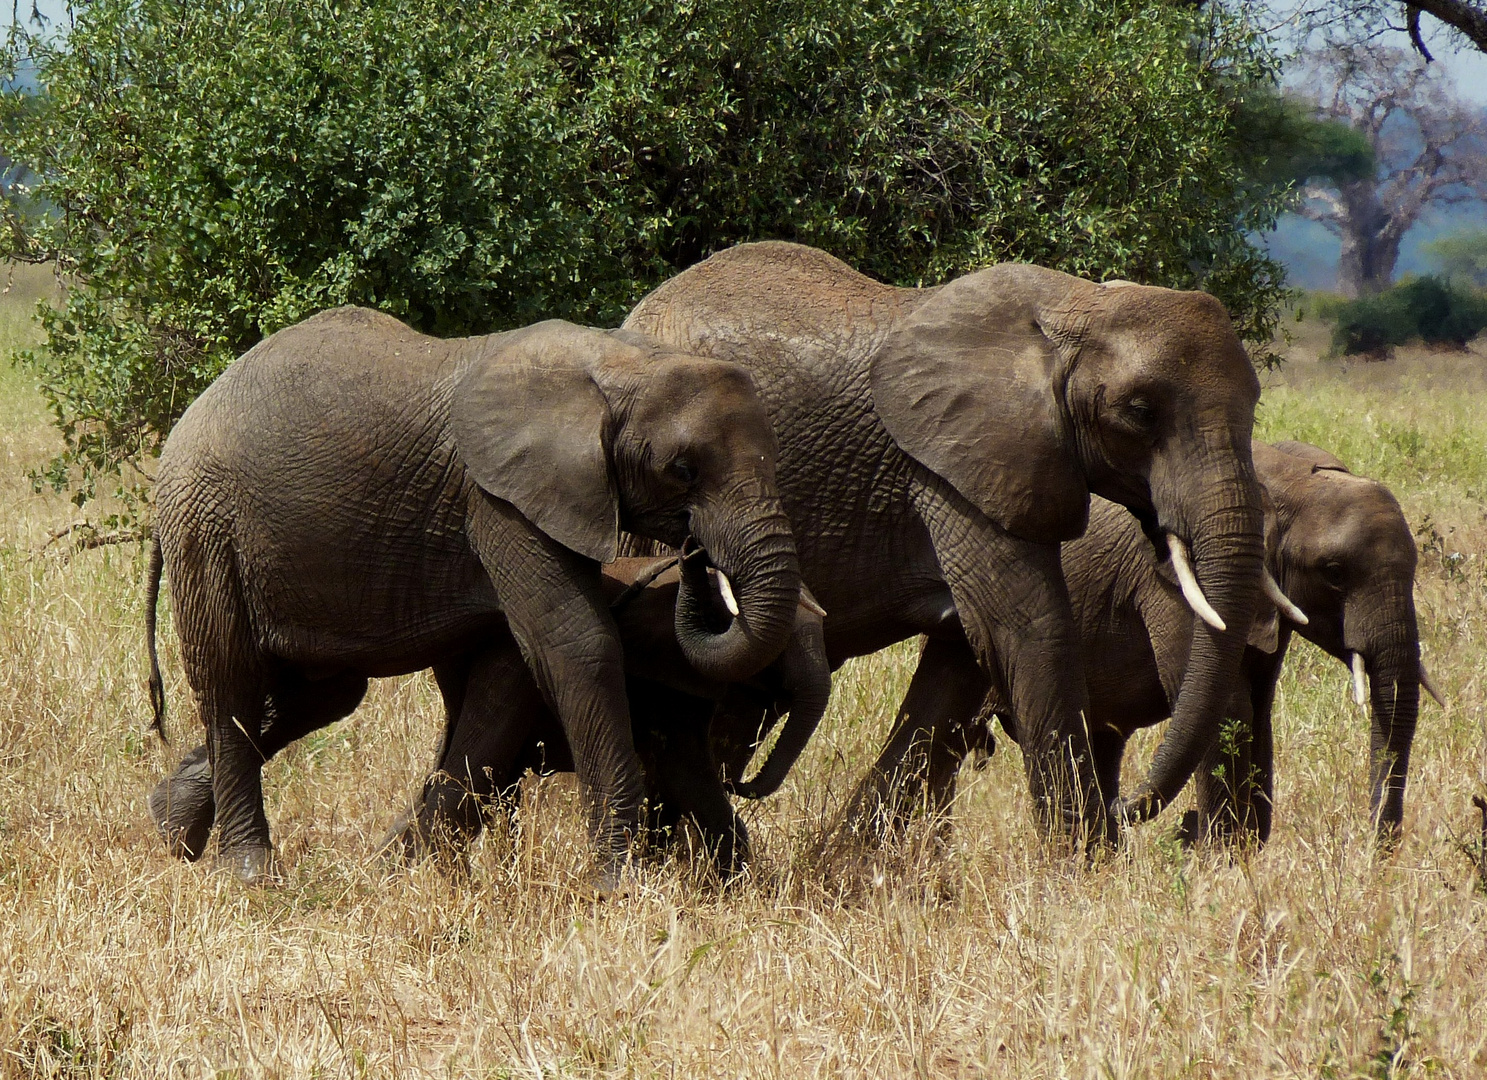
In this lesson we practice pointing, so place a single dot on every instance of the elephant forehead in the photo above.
(1354, 517)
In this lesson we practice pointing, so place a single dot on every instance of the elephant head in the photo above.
(1347, 558)
(586, 432)
(1028, 390)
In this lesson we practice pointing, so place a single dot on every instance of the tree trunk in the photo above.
(1370, 248)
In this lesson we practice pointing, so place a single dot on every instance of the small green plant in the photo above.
(1396, 1050)
(1427, 309)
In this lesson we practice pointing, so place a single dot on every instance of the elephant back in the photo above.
(341, 369)
(799, 297)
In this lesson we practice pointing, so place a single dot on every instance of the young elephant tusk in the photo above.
(1360, 680)
(808, 602)
(727, 590)
(1429, 684)
(1191, 591)
(1282, 601)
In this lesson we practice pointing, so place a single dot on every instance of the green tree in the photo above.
(222, 168)
(1462, 257)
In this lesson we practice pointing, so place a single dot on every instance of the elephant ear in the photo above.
(533, 428)
(971, 386)
(1319, 459)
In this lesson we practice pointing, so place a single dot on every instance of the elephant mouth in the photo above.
(1361, 680)
(1192, 591)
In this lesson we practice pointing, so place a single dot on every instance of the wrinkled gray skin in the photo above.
(1339, 547)
(936, 446)
(353, 499)
(496, 735)
(497, 727)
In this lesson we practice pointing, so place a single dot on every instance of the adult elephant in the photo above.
(1340, 547)
(354, 499)
(936, 446)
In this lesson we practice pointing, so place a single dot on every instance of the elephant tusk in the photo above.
(1282, 601)
(1191, 591)
(727, 590)
(1429, 684)
(808, 602)
(1360, 680)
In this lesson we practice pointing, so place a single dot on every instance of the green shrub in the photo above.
(1426, 309)
(222, 168)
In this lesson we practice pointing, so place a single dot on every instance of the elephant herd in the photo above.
(1050, 481)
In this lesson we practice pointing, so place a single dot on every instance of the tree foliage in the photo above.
(222, 168)
(1462, 257)
(1291, 145)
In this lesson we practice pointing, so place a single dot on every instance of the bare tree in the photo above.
(1431, 149)
(1370, 20)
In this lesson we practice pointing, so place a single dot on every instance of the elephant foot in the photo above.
(401, 842)
(182, 807)
(613, 880)
(408, 842)
(252, 864)
(1190, 831)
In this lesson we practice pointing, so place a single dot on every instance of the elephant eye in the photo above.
(683, 470)
(1334, 573)
(1141, 412)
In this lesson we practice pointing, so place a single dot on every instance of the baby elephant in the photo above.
(1338, 546)
(352, 499)
(498, 726)
(501, 728)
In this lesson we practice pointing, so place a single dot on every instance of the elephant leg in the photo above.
(182, 805)
(493, 710)
(1015, 610)
(683, 775)
(1108, 745)
(236, 761)
(920, 757)
(556, 610)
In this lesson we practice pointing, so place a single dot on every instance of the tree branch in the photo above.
(1469, 19)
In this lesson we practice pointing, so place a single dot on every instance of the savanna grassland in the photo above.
(996, 957)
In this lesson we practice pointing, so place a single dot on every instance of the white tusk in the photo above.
(1282, 601)
(1429, 685)
(808, 602)
(1360, 680)
(727, 590)
(1191, 591)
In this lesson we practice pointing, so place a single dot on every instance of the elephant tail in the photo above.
(152, 601)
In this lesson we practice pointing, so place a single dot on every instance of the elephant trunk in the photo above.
(1228, 552)
(759, 569)
(808, 682)
(1391, 661)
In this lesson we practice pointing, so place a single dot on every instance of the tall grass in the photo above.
(989, 957)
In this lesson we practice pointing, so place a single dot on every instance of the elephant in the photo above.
(496, 735)
(938, 444)
(498, 727)
(1342, 559)
(353, 499)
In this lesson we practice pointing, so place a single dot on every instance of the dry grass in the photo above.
(1315, 958)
